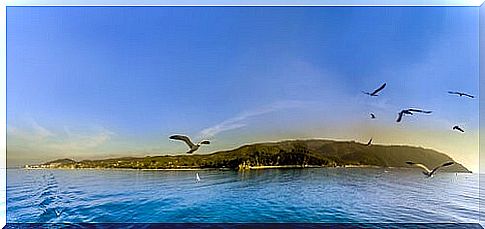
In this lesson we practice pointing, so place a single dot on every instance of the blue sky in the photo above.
(86, 82)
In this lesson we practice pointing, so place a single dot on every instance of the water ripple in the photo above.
(299, 195)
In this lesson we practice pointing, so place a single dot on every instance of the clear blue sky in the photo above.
(101, 81)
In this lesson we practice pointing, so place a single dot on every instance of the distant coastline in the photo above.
(313, 153)
(37, 167)
(220, 169)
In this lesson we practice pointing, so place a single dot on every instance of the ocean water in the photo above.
(332, 195)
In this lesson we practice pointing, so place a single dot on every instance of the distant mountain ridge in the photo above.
(303, 153)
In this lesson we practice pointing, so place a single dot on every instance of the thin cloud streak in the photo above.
(239, 121)
(82, 142)
(35, 132)
(36, 137)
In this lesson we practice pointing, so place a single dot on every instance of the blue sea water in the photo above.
(364, 195)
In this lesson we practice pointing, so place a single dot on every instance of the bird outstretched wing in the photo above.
(184, 139)
(419, 165)
(441, 166)
(399, 116)
(419, 110)
(379, 89)
(369, 142)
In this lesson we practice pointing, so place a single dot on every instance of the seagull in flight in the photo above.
(428, 172)
(458, 128)
(410, 112)
(461, 94)
(374, 93)
(197, 178)
(193, 147)
(372, 116)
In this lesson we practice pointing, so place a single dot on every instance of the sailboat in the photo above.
(197, 178)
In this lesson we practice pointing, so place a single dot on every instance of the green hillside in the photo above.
(285, 153)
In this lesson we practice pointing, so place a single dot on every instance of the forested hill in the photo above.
(303, 153)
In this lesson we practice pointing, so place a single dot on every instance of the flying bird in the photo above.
(372, 116)
(369, 142)
(193, 147)
(428, 172)
(461, 94)
(458, 128)
(197, 178)
(374, 93)
(410, 112)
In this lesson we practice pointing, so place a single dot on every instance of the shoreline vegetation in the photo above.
(261, 167)
(33, 167)
(290, 154)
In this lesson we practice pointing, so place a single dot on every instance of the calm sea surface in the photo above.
(286, 195)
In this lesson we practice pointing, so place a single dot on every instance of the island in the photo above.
(284, 154)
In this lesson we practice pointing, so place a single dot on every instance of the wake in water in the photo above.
(50, 198)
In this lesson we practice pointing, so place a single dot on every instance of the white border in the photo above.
(117, 3)
(3, 117)
(244, 2)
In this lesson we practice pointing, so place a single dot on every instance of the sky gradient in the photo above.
(97, 82)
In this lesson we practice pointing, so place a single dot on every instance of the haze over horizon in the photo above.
(95, 82)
